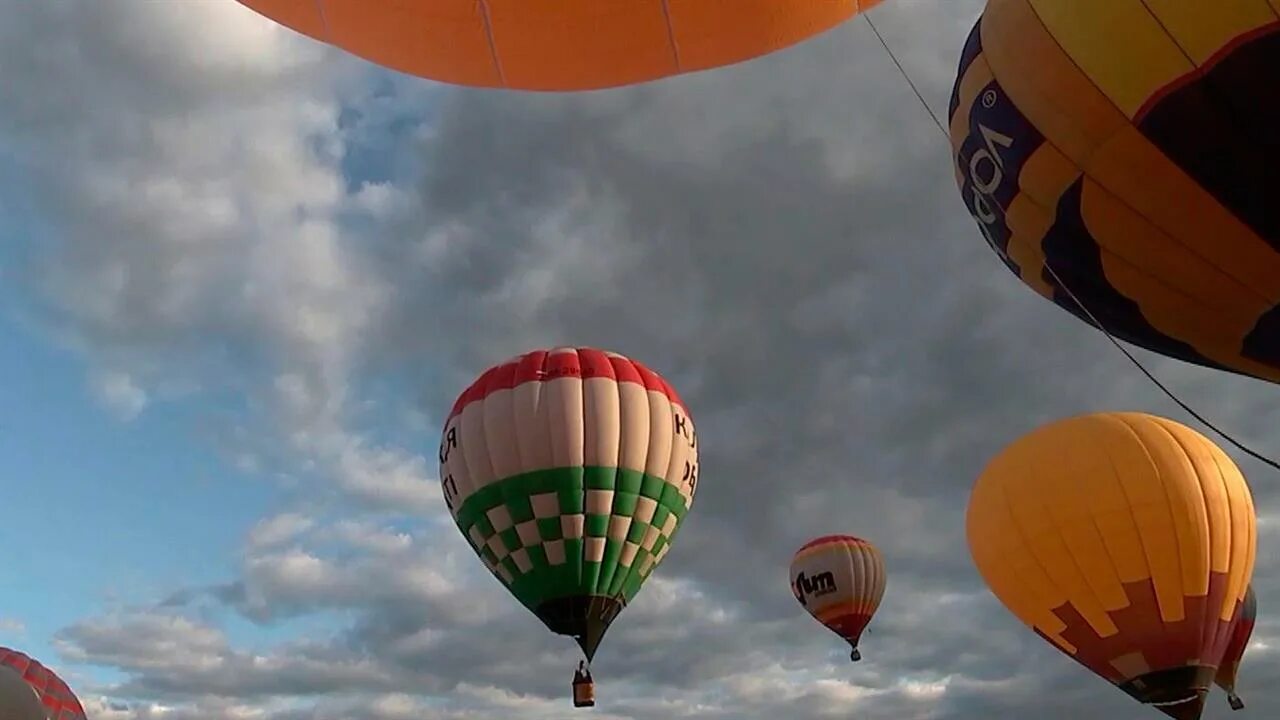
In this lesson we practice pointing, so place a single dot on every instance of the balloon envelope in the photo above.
(1240, 634)
(570, 471)
(1130, 146)
(57, 699)
(840, 580)
(557, 44)
(1127, 541)
(18, 700)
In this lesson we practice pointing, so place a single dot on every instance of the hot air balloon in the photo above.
(557, 45)
(839, 579)
(18, 700)
(570, 471)
(1240, 634)
(22, 678)
(1124, 152)
(1127, 541)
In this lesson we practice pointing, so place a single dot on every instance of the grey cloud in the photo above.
(851, 349)
(784, 242)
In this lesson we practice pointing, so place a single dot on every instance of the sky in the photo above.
(243, 277)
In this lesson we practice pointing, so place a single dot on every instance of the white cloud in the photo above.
(758, 234)
(388, 478)
(119, 393)
(377, 540)
(201, 205)
(278, 529)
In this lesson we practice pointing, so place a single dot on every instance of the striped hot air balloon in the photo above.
(570, 471)
(1125, 152)
(56, 699)
(558, 45)
(840, 580)
(18, 700)
(1127, 541)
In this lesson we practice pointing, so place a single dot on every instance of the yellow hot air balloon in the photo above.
(1125, 152)
(1127, 541)
(840, 580)
(570, 471)
(558, 44)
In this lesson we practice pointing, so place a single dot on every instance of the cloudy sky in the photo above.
(243, 276)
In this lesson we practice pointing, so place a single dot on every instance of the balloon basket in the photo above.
(1235, 702)
(584, 693)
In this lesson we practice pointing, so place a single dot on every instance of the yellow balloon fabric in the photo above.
(558, 44)
(1127, 541)
(1130, 146)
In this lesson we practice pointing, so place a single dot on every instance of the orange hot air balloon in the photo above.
(1127, 541)
(1226, 678)
(557, 44)
(840, 580)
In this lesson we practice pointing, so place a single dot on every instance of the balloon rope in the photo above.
(946, 136)
(1145, 371)
(1092, 318)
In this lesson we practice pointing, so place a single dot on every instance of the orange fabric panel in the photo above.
(446, 38)
(712, 33)
(581, 45)
(558, 44)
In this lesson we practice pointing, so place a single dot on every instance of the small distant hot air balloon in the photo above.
(1127, 541)
(840, 580)
(569, 471)
(31, 691)
(1240, 634)
(557, 45)
(1130, 148)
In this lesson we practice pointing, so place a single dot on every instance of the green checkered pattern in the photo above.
(573, 531)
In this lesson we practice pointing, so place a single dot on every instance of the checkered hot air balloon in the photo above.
(54, 700)
(558, 45)
(1128, 542)
(569, 471)
(839, 580)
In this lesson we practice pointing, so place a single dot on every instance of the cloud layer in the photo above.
(228, 209)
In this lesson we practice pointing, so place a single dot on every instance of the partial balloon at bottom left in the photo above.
(31, 691)
(18, 700)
